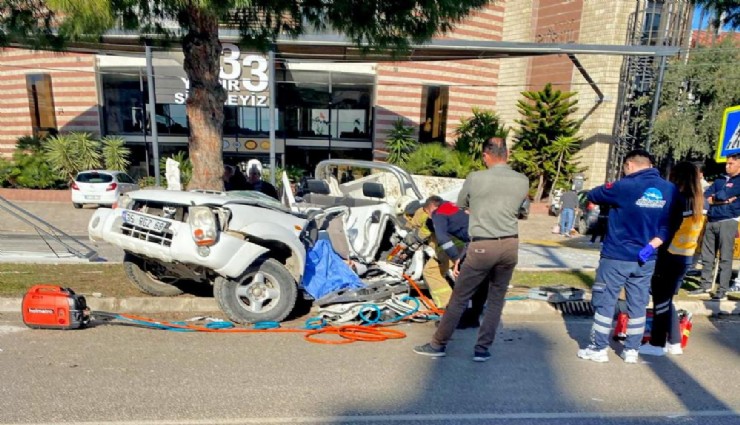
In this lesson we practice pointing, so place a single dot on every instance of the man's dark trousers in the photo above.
(718, 235)
(488, 262)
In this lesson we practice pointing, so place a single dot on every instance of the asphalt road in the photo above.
(112, 374)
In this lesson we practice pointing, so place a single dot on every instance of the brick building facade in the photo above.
(45, 92)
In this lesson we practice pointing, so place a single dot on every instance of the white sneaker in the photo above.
(674, 349)
(630, 356)
(652, 350)
(734, 288)
(589, 353)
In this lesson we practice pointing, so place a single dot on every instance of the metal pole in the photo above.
(273, 96)
(656, 101)
(144, 120)
(152, 112)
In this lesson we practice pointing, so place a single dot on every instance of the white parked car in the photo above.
(100, 187)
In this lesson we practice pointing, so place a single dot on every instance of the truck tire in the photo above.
(266, 291)
(582, 226)
(142, 274)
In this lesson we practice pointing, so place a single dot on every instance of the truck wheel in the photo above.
(582, 226)
(149, 277)
(77, 206)
(266, 291)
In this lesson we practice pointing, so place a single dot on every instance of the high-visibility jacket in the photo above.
(686, 239)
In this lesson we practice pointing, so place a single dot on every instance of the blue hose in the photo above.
(266, 325)
(314, 323)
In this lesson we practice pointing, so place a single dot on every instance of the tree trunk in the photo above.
(205, 104)
(540, 188)
(557, 176)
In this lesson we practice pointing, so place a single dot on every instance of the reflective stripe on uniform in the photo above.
(636, 331)
(602, 320)
(636, 321)
(662, 307)
(448, 245)
(601, 329)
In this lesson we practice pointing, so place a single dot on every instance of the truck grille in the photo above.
(159, 238)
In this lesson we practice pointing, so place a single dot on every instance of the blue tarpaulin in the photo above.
(326, 272)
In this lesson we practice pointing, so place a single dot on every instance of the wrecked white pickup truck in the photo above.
(251, 248)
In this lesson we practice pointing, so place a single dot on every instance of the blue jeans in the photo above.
(566, 220)
(611, 276)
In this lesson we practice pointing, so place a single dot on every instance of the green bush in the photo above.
(30, 170)
(147, 181)
(474, 131)
(5, 168)
(429, 160)
(400, 142)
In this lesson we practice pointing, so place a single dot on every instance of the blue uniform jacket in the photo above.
(450, 221)
(722, 190)
(642, 207)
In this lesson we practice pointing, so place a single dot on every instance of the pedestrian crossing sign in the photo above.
(729, 135)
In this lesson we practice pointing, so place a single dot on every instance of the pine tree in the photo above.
(545, 118)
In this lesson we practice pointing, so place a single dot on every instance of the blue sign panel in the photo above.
(729, 135)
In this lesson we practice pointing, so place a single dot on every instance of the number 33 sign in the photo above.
(256, 67)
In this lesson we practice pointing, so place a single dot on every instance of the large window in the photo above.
(123, 103)
(325, 105)
(41, 104)
(171, 119)
(249, 121)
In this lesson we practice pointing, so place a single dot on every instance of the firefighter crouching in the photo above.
(444, 228)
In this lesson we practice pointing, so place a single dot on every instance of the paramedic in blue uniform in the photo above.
(642, 204)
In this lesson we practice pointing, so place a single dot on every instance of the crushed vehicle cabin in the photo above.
(252, 248)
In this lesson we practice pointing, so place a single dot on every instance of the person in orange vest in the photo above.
(674, 261)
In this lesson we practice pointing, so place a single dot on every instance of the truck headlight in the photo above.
(203, 227)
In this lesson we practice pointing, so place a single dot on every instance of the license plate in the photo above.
(92, 198)
(146, 222)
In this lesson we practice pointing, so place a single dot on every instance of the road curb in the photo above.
(198, 305)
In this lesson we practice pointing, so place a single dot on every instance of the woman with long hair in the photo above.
(674, 260)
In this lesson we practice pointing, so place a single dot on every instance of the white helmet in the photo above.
(254, 163)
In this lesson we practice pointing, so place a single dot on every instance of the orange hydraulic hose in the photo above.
(347, 333)
(429, 303)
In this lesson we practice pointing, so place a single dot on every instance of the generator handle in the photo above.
(47, 288)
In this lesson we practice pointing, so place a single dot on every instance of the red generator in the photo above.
(54, 307)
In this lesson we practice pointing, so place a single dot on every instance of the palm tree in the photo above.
(474, 131)
(115, 153)
(563, 148)
(721, 13)
(400, 142)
